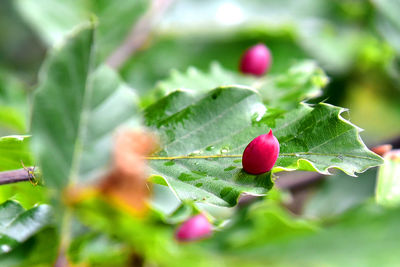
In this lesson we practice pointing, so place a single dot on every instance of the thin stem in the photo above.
(139, 34)
(20, 175)
(193, 157)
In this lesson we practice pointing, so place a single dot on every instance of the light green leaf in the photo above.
(303, 80)
(116, 18)
(14, 149)
(202, 82)
(18, 225)
(203, 140)
(76, 110)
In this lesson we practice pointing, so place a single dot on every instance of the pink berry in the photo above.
(194, 228)
(261, 154)
(256, 60)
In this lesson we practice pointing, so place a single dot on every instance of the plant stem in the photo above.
(139, 34)
(20, 175)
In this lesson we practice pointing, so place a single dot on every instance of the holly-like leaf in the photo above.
(316, 138)
(14, 149)
(76, 110)
(203, 141)
(116, 18)
(303, 80)
(18, 225)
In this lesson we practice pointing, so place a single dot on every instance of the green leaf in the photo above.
(303, 80)
(316, 138)
(14, 149)
(18, 225)
(202, 82)
(203, 140)
(214, 127)
(339, 193)
(76, 110)
(367, 236)
(98, 249)
(116, 18)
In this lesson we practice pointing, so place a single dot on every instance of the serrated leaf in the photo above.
(316, 138)
(116, 18)
(303, 80)
(14, 149)
(203, 140)
(18, 225)
(76, 110)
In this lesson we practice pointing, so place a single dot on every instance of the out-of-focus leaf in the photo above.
(12, 105)
(339, 193)
(76, 110)
(116, 18)
(203, 141)
(388, 183)
(145, 69)
(98, 249)
(26, 194)
(39, 250)
(335, 47)
(18, 225)
(14, 149)
(201, 82)
(263, 223)
(148, 239)
(388, 21)
(367, 236)
(302, 81)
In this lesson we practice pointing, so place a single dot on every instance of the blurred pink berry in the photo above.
(256, 60)
(194, 228)
(261, 154)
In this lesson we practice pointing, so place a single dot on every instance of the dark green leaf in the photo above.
(203, 140)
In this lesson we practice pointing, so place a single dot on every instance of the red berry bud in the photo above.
(256, 60)
(194, 228)
(261, 154)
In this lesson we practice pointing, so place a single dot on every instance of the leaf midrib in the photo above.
(84, 116)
